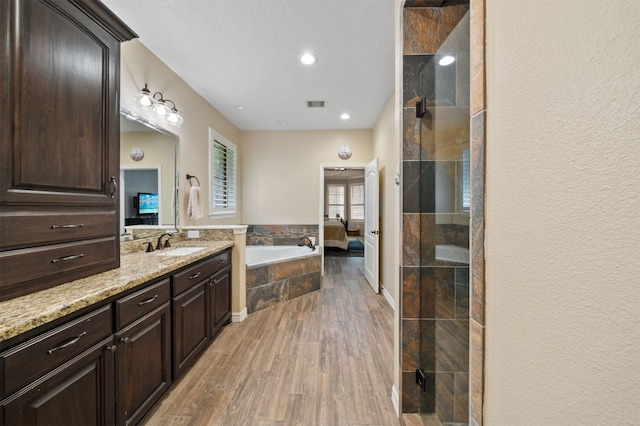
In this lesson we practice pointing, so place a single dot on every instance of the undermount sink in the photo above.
(181, 251)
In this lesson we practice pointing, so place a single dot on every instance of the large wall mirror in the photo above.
(148, 174)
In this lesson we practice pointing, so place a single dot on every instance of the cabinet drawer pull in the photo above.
(221, 261)
(194, 276)
(79, 225)
(216, 281)
(64, 259)
(68, 343)
(149, 300)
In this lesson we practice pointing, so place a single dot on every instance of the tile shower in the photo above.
(435, 212)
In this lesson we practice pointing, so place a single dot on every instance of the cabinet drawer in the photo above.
(134, 306)
(191, 276)
(221, 260)
(50, 264)
(30, 360)
(29, 229)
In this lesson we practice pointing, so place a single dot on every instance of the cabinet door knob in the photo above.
(125, 340)
(111, 349)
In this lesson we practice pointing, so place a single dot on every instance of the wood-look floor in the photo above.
(324, 358)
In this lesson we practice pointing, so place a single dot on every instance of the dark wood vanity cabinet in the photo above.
(63, 376)
(110, 365)
(201, 306)
(143, 356)
(219, 300)
(59, 142)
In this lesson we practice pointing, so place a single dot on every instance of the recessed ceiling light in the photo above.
(446, 60)
(308, 58)
(345, 116)
(283, 123)
(240, 107)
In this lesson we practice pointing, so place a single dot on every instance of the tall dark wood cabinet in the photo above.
(59, 142)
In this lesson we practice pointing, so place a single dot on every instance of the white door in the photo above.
(371, 231)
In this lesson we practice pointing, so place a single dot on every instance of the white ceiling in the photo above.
(246, 52)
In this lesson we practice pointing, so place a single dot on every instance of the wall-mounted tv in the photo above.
(147, 203)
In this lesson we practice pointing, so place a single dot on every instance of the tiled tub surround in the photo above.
(282, 280)
(279, 235)
(435, 292)
(136, 267)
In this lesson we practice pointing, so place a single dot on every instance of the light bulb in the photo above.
(446, 60)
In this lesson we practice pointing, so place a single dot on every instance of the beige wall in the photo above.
(281, 171)
(140, 66)
(562, 229)
(386, 148)
(158, 151)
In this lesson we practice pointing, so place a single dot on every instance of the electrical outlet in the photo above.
(193, 234)
(420, 379)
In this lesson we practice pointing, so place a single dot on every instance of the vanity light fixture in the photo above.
(158, 104)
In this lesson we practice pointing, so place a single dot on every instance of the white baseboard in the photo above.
(395, 400)
(387, 296)
(239, 316)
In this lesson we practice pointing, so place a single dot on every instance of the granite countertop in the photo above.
(28, 312)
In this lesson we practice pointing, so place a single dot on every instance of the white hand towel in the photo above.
(194, 208)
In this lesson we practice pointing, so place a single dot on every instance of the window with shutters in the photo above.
(356, 202)
(335, 196)
(466, 180)
(222, 176)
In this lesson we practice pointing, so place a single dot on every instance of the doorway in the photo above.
(346, 214)
(140, 182)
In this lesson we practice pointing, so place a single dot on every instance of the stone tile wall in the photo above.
(277, 282)
(279, 235)
(478, 147)
(435, 293)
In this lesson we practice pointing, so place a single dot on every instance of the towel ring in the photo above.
(189, 177)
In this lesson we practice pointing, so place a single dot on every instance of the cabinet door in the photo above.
(143, 365)
(189, 326)
(61, 143)
(220, 300)
(80, 392)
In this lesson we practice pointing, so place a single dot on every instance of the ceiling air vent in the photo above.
(315, 104)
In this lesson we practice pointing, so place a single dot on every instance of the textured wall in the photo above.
(562, 228)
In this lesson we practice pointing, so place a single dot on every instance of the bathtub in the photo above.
(278, 273)
(263, 255)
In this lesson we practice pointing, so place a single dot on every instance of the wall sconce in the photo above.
(158, 104)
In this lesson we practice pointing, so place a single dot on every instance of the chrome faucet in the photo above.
(307, 242)
(166, 244)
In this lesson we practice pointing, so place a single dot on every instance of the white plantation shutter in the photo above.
(222, 176)
(466, 180)
(357, 201)
(336, 198)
